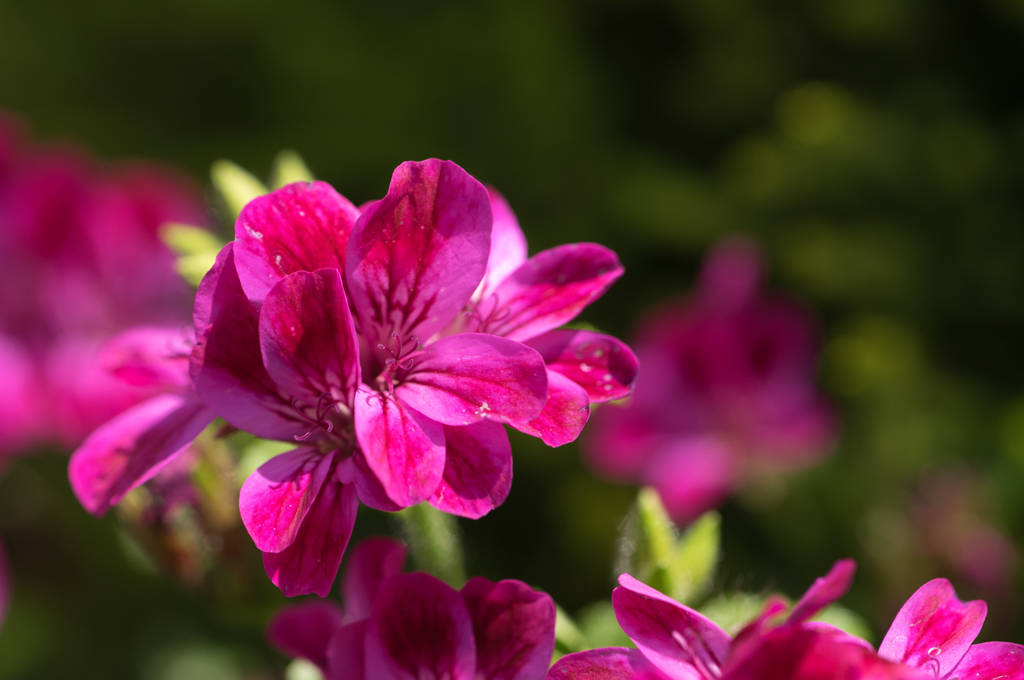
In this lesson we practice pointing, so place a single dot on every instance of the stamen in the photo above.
(321, 415)
(706, 667)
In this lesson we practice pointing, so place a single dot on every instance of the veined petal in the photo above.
(420, 628)
(992, 661)
(403, 448)
(299, 227)
(371, 492)
(549, 290)
(514, 629)
(226, 364)
(308, 340)
(466, 377)
(276, 497)
(477, 470)
(934, 629)
(310, 564)
(369, 563)
(202, 308)
(565, 412)
(602, 365)
(305, 630)
(508, 245)
(346, 652)
(824, 591)
(133, 447)
(416, 256)
(150, 356)
(672, 636)
(609, 663)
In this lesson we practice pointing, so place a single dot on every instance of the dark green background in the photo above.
(874, 147)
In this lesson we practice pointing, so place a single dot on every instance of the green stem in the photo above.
(433, 538)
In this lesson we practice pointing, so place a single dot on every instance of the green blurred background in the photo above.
(874, 147)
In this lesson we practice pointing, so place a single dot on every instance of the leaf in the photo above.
(235, 185)
(288, 168)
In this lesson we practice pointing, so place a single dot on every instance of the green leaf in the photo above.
(599, 626)
(734, 610)
(434, 542)
(195, 247)
(846, 620)
(235, 185)
(696, 556)
(568, 637)
(289, 167)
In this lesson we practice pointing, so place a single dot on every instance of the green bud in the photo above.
(235, 185)
(289, 167)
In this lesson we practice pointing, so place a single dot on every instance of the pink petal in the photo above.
(403, 448)
(692, 476)
(731, 274)
(300, 227)
(514, 629)
(549, 290)
(346, 652)
(309, 342)
(508, 245)
(356, 470)
(420, 628)
(369, 563)
(464, 378)
(565, 412)
(416, 256)
(202, 307)
(304, 630)
(602, 365)
(992, 661)
(276, 497)
(150, 356)
(477, 470)
(310, 564)
(227, 366)
(20, 392)
(934, 629)
(133, 447)
(824, 591)
(672, 636)
(610, 663)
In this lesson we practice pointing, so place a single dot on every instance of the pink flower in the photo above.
(728, 388)
(397, 625)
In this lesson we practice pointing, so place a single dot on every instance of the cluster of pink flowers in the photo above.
(397, 625)
(389, 343)
(80, 259)
(931, 637)
(727, 390)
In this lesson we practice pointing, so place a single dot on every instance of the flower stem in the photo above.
(434, 541)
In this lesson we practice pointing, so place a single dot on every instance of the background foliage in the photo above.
(874, 147)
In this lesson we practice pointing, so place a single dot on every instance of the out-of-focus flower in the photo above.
(80, 259)
(397, 625)
(727, 389)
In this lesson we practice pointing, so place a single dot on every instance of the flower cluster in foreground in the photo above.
(397, 625)
(931, 637)
(390, 344)
(728, 389)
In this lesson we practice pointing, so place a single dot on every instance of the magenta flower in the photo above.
(398, 626)
(728, 389)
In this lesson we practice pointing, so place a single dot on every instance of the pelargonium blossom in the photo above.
(332, 327)
(396, 625)
(728, 388)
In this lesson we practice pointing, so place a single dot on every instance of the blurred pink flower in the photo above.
(80, 259)
(727, 388)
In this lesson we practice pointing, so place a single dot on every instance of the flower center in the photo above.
(495, 313)
(323, 406)
(401, 358)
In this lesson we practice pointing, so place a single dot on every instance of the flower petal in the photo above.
(549, 290)
(369, 563)
(477, 470)
(824, 591)
(464, 378)
(403, 448)
(692, 476)
(672, 636)
(133, 447)
(513, 626)
(304, 630)
(992, 661)
(420, 628)
(602, 365)
(276, 497)
(308, 340)
(609, 663)
(565, 412)
(227, 366)
(310, 564)
(417, 255)
(508, 245)
(934, 629)
(346, 652)
(150, 356)
(299, 227)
